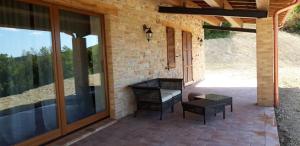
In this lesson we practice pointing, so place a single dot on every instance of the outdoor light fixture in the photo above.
(200, 40)
(148, 32)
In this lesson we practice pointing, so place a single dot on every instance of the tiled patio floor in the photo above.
(248, 125)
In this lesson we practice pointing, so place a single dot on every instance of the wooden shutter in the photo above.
(187, 56)
(171, 55)
(190, 57)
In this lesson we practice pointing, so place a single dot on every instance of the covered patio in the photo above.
(78, 88)
(248, 125)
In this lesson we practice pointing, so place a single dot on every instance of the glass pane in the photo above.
(82, 60)
(27, 90)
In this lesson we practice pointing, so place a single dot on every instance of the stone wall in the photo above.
(131, 58)
(265, 61)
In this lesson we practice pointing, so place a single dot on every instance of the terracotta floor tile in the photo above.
(248, 125)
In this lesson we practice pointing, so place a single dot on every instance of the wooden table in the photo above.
(220, 98)
(214, 97)
(203, 107)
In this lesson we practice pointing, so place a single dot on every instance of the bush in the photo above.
(214, 34)
(293, 23)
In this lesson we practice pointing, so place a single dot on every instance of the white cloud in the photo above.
(8, 29)
(37, 33)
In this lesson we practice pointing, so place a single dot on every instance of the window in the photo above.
(28, 106)
(171, 48)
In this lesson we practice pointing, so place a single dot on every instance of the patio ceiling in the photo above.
(255, 5)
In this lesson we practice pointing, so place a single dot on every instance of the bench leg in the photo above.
(224, 114)
(183, 114)
(204, 118)
(161, 114)
(172, 109)
(231, 108)
(135, 113)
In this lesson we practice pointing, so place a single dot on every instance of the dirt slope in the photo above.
(239, 53)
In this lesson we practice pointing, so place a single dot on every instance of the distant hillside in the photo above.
(236, 56)
(240, 49)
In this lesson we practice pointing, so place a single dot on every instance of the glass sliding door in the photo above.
(82, 65)
(28, 105)
(52, 71)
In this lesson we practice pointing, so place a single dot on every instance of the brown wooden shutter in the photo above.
(184, 57)
(171, 55)
(190, 56)
(187, 55)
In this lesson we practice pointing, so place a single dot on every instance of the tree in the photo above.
(214, 34)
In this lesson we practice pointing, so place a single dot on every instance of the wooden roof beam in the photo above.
(215, 12)
(236, 22)
(209, 19)
(230, 28)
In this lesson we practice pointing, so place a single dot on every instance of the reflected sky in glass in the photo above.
(26, 40)
(91, 40)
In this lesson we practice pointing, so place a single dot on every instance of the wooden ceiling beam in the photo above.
(230, 28)
(209, 19)
(215, 12)
(236, 22)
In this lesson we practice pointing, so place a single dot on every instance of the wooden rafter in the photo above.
(236, 22)
(209, 19)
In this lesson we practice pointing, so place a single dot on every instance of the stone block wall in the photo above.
(265, 61)
(131, 58)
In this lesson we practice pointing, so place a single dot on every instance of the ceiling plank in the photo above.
(262, 4)
(236, 22)
(172, 2)
(209, 19)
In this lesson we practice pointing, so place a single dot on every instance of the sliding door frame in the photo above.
(63, 127)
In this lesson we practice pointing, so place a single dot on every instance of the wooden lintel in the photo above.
(89, 5)
(174, 25)
(215, 12)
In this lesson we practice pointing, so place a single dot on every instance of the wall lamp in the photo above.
(200, 40)
(148, 32)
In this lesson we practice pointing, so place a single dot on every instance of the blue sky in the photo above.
(15, 41)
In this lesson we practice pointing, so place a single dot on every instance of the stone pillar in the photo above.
(265, 61)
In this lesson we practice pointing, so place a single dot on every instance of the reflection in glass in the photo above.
(27, 92)
(82, 65)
